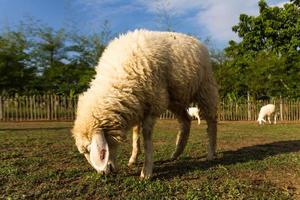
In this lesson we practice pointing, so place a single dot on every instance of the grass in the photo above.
(38, 160)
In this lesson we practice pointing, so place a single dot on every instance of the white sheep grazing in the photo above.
(267, 110)
(139, 76)
(194, 112)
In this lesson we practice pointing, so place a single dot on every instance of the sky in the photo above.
(211, 19)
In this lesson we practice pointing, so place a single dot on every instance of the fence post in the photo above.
(249, 106)
(48, 102)
(280, 106)
(55, 106)
(1, 115)
(15, 107)
(30, 108)
(224, 113)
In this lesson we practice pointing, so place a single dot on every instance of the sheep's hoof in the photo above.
(145, 177)
(174, 156)
(146, 174)
(211, 157)
(132, 161)
(131, 164)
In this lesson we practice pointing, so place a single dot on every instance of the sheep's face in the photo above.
(101, 151)
(261, 120)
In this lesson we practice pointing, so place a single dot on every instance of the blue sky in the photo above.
(204, 18)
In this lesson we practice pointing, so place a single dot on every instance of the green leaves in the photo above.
(266, 59)
(38, 59)
(14, 74)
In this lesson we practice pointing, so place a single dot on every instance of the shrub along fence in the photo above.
(62, 108)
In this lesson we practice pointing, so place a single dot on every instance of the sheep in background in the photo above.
(194, 112)
(139, 76)
(267, 110)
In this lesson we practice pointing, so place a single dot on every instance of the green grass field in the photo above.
(40, 161)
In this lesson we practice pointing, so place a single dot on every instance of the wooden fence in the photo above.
(37, 108)
(54, 107)
(247, 110)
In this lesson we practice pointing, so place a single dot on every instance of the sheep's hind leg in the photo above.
(147, 127)
(212, 138)
(198, 118)
(208, 102)
(184, 131)
(135, 145)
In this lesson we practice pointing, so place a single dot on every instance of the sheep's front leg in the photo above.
(269, 119)
(147, 127)
(135, 145)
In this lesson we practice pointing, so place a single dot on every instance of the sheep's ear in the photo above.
(99, 151)
(87, 156)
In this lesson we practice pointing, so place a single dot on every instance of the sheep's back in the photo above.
(267, 109)
(155, 66)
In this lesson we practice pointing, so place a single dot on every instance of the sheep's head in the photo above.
(100, 149)
(261, 120)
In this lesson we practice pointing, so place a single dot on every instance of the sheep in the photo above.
(139, 76)
(267, 110)
(194, 112)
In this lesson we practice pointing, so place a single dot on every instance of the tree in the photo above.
(85, 50)
(15, 76)
(66, 64)
(49, 47)
(267, 58)
(35, 58)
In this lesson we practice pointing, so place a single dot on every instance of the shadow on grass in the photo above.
(168, 169)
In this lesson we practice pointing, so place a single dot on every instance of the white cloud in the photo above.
(219, 17)
(177, 7)
(214, 17)
(280, 4)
